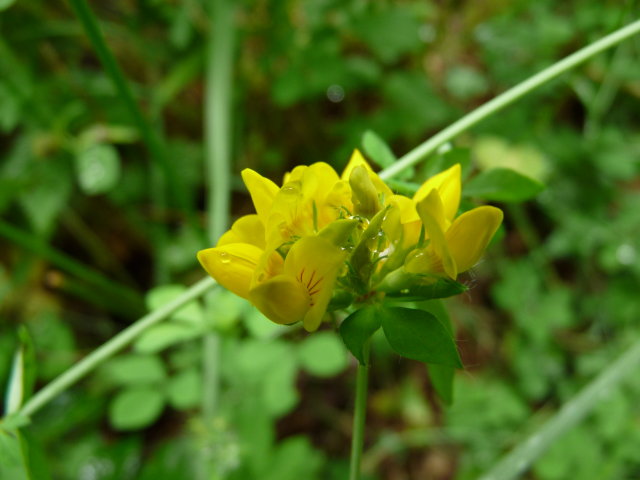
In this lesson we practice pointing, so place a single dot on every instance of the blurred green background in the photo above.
(95, 231)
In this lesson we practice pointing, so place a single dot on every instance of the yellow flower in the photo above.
(454, 247)
(319, 227)
(303, 288)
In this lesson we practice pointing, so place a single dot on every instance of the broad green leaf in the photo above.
(13, 464)
(293, 459)
(418, 335)
(135, 369)
(98, 168)
(136, 408)
(441, 376)
(322, 354)
(377, 150)
(502, 185)
(162, 336)
(185, 389)
(279, 388)
(45, 192)
(442, 380)
(358, 328)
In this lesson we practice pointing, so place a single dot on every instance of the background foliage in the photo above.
(94, 233)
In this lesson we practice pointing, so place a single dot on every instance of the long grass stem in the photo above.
(508, 97)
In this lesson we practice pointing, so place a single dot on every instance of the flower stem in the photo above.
(218, 121)
(508, 97)
(108, 349)
(359, 416)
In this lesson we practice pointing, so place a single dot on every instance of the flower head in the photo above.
(321, 233)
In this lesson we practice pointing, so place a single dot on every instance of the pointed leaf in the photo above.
(442, 380)
(357, 328)
(377, 149)
(418, 335)
(503, 185)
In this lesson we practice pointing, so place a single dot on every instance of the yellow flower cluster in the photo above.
(321, 233)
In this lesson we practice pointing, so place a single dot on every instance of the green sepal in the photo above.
(357, 329)
(419, 335)
(340, 300)
(339, 231)
(410, 287)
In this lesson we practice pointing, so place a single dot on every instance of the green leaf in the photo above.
(418, 335)
(13, 464)
(358, 328)
(45, 193)
(185, 389)
(98, 168)
(135, 369)
(377, 150)
(279, 388)
(4, 4)
(136, 408)
(503, 185)
(442, 380)
(15, 388)
(322, 354)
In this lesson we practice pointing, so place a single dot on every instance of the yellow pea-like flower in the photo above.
(303, 290)
(232, 265)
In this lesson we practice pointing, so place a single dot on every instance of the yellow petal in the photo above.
(470, 234)
(448, 185)
(262, 191)
(336, 203)
(315, 263)
(356, 160)
(290, 216)
(431, 212)
(231, 265)
(246, 229)
(282, 299)
(294, 175)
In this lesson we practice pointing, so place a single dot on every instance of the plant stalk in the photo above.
(522, 456)
(117, 343)
(359, 417)
(508, 97)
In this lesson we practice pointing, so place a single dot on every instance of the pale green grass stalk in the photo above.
(572, 412)
(508, 97)
(108, 349)
(218, 121)
(125, 337)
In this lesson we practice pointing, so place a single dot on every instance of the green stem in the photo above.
(359, 417)
(117, 343)
(218, 123)
(125, 295)
(508, 97)
(572, 412)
